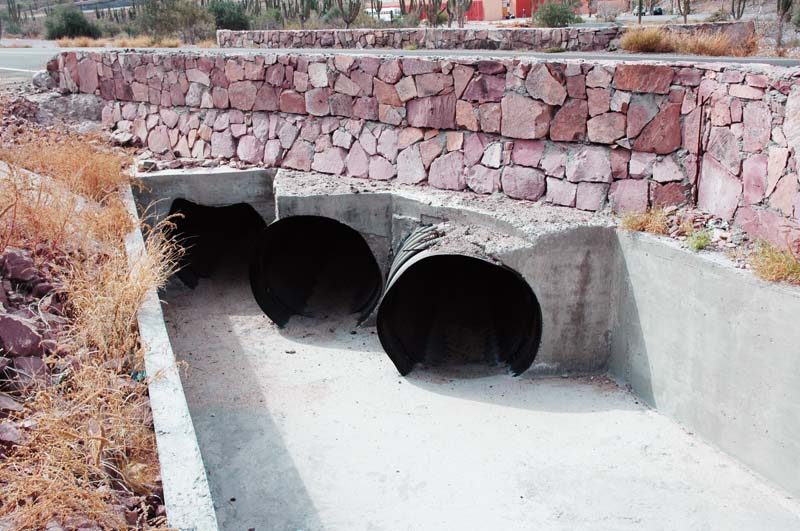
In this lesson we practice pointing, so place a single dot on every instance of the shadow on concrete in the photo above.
(253, 479)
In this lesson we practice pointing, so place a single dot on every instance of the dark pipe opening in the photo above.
(210, 235)
(315, 267)
(444, 309)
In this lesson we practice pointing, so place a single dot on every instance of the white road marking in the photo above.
(18, 70)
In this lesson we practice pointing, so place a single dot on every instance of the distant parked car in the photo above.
(658, 11)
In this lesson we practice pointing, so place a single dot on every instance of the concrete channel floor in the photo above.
(312, 428)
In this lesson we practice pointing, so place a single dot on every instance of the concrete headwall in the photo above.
(571, 39)
(571, 133)
(714, 348)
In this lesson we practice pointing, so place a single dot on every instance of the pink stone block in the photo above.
(629, 195)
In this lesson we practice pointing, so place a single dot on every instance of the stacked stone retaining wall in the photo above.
(579, 39)
(572, 133)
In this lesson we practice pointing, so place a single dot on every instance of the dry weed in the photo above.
(775, 264)
(647, 40)
(88, 433)
(652, 221)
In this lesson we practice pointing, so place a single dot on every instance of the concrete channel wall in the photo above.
(183, 476)
(578, 39)
(714, 348)
(572, 133)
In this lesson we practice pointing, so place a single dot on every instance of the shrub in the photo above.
(774, 264)
(699, 240)
(555, 14)
(647, 40)
(229, 15)
(720, 15)
(68, 21)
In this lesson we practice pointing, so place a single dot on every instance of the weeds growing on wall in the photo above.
(653, 221)
(659, 40)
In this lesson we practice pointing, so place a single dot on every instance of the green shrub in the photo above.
(68, 21)
(229, 15)
(697, 241)
(555, 14)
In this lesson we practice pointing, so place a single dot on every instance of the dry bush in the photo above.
(653, 221)
(89, 437)
(714, 44)
(775, 264)
(647, 40)
(75, 161)
(81, 42)
(167, 43)
(658, 40)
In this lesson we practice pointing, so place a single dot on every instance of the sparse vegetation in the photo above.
(647, 40)
(142, 41)
(698, 240)
(775, 264)
(654, 221)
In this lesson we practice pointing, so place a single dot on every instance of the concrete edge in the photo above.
(187, 495)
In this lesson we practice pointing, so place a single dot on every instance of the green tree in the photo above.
(555, 14)
(229, 15)
(68, 21)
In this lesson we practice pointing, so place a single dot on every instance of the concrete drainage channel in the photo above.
(309, 426)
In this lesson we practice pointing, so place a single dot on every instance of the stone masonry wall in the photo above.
(582, 39)
(570, 133)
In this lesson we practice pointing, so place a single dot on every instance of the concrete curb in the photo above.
(186, 492)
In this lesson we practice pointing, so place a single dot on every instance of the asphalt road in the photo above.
(24, 62)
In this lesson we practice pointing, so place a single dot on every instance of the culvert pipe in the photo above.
(443, 306)
(313, 266)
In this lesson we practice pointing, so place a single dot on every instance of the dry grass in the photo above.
(207, 43)
(774, 264)
(74, 161)
(652, 221)
(141, 41)
(658, 40)
(89, 437)
(647, 40)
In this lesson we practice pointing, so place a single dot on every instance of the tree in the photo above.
(457, 9)
(555, 14)
(737, 8)
(784, 11)
(684, 8)
(229, 15)
(68, 21)
(349, 10)
(299, 9)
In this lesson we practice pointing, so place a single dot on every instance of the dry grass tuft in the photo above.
(207, 43)
(73, 161)
(658, 40)
(81, 42)
(652, 221)
(647, 40)
(774, 264)
(142, 41)
(89, 438)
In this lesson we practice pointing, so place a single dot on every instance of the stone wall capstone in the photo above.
(572, 133)
(574, 39)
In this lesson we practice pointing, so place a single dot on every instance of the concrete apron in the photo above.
(694, 337)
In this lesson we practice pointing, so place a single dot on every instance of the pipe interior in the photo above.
(211, 236)
(459, 310)
(316, 267)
